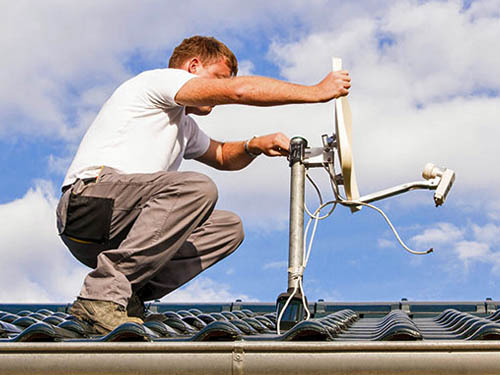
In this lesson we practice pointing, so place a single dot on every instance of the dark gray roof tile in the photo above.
(21, 324)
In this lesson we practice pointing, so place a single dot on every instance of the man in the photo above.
(126, 211)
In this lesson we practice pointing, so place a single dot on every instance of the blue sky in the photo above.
(426, 78)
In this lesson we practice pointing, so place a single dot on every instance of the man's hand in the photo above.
(334, 85)
(276, 144)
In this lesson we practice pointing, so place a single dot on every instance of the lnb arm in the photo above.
(437, 179)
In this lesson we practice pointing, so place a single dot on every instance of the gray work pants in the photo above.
(163, 232)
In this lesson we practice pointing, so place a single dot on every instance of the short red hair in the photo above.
(207, 49)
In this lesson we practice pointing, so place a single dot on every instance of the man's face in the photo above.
(218, 69)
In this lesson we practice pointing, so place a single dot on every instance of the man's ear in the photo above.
(193, 65)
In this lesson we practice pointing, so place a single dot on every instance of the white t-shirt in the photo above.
(140, 129)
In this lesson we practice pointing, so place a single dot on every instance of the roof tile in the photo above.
(195, 324)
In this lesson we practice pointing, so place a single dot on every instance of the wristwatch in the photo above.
(251, 154)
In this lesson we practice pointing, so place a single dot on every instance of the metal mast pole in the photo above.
(297, 186)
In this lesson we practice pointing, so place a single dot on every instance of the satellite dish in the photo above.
(292, 306)
(343, 130)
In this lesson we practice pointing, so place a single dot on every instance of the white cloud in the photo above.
(493, 210)
(35, 267)
(204, 289)
(472, 250)
(64, 58)
(258, 194)
(59, 165)
(440, 233)
(275, 265)
(489, 233)
(463, 246)
(426, 77)
(421, 93)
(425, 95)
(245, 68)
(385, 243)
(433, 54)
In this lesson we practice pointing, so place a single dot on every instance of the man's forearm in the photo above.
(234, 156)
(228, 156)
(263, 91)
(260, 91)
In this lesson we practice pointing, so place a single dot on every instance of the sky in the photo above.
(425, 88)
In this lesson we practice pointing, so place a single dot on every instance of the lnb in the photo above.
(446, 178)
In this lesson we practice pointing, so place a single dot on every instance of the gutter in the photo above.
(251, 357)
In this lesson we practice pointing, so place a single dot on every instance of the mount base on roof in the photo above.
(294, 312)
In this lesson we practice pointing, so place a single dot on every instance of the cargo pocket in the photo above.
(88, 218)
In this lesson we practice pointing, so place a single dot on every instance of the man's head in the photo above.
(207, 49)
(205, 57)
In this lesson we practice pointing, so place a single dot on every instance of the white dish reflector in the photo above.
(343, 131)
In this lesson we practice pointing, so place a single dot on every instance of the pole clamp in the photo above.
(297, 150)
